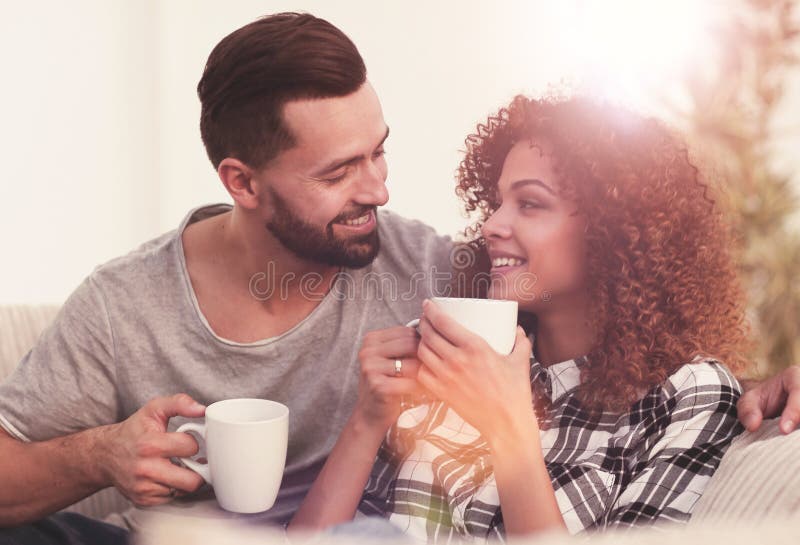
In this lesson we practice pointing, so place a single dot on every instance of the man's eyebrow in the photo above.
(531, 181)
(339, 163)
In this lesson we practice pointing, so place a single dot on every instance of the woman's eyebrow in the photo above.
(531, 181)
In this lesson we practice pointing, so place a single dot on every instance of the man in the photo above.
(267, 299)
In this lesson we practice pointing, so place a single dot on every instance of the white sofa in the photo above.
(759, 478)
(20, 326)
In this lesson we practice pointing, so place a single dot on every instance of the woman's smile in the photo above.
(504, 262)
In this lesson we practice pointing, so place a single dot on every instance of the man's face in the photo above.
(321, 195)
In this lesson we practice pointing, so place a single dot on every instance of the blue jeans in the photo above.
(64, 529)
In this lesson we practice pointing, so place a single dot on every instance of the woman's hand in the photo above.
(334, 496)
(493, 393)
(490, 391)
(381, 389)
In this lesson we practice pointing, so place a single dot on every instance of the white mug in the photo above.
(246, 441)
(494, 320)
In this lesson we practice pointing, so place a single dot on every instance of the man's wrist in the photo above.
(96, 460)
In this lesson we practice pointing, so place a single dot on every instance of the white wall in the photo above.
(436, 71)
(77, 103)
(100, 141)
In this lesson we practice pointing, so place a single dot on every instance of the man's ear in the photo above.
(237, 178)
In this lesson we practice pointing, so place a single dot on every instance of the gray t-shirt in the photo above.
(133, 331)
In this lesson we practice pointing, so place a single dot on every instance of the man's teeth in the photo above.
(507, 262)
(358, 221)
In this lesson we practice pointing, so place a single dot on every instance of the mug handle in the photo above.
(197, 467)
(405, 401)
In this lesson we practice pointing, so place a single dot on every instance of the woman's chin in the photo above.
(501, 293)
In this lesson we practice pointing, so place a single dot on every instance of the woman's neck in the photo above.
(563, 334)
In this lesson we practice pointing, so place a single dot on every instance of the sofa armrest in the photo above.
(20, 327)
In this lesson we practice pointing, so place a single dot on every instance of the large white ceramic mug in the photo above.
(246, 441)
(492, 319)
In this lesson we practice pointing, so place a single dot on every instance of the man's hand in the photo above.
(778, 395)
(135, 454)
(338, 488)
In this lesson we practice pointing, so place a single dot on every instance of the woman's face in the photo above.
(536, 240)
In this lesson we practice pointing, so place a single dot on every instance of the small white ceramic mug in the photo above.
(492, 319)
(246, 441)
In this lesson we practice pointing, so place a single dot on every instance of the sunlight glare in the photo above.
(628, 47)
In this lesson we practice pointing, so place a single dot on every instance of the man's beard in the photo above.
(313, 243)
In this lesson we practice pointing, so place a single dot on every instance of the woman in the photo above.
(619, 410)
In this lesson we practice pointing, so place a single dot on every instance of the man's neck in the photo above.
(262, 263)
(248, 286)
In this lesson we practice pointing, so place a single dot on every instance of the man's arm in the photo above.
(337, 490)
(40, 478)
(777, 396)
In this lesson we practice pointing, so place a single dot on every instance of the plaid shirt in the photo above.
(433, 476)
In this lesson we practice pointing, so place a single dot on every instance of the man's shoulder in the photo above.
(148, 262)
(155, 250)
(411, 245)
(156, 260)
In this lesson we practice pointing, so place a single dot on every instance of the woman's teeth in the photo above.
(507, 262)
(358, 221)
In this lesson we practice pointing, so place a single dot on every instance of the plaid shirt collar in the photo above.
(557, 380)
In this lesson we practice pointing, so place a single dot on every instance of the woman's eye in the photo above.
(529, 204)
(379, 153)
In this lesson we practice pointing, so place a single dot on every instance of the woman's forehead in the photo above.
(527, 160)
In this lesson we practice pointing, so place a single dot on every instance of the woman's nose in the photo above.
(496, 226)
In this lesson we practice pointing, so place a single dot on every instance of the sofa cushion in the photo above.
(20, 327)
(759, 477)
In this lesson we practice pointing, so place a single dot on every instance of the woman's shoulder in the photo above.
(703, 385)
(702, 375)
(699, 397)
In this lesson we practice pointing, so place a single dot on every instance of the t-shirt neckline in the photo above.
(206, 211)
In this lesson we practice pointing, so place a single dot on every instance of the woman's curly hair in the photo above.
(661, 275)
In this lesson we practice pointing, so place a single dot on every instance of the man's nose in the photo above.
(372, 186)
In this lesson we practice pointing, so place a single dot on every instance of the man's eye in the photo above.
(529, 204)
(335, 179)
(379, 153)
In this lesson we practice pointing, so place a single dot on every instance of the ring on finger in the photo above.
(398, 367)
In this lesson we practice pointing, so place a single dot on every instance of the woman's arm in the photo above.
(691, 429)
(335, 494)
(493, 393)
(526, 493)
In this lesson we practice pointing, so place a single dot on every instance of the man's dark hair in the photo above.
(255, 70)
